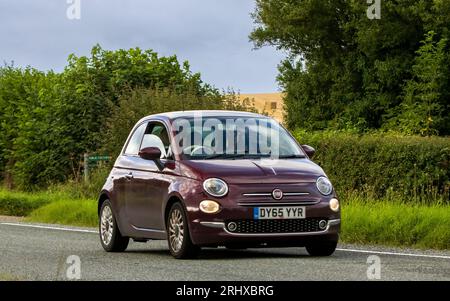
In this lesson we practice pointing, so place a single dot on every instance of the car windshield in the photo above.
(233, 138)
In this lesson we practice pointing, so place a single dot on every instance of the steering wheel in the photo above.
(196, 150)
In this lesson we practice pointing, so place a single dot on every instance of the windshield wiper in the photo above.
(224, 156)
(292, 157)
(234, 156)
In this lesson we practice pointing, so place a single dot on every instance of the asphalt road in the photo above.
(30, 253)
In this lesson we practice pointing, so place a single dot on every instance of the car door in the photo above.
(123, 172)
(149, 185)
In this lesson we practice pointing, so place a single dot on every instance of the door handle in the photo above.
(129, 176)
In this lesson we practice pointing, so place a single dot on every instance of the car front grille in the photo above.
(275, 226)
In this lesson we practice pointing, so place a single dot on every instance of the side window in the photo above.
(156, 136)
(135, 140)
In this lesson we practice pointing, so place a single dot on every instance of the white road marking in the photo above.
(50, 227)
(338, 249)
(394, 253)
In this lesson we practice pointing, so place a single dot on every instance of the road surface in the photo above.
(40, 252)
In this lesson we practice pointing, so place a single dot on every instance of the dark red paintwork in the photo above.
(141, 192)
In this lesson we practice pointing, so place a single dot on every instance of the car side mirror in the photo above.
(152, 154)
(310, 151)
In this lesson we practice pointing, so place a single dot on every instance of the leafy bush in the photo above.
(397, 167)
(79, 189)
(48, 120)
(21, 204)
(423, 110)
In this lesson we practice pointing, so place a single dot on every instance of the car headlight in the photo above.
(215, 187)
(324, 186)
(208, 206)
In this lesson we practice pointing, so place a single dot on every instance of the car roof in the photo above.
(204, 114)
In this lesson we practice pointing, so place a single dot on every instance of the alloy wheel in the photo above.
(107, 225)
(176, 230)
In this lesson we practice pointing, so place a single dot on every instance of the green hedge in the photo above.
(21, 204)
(397, 167)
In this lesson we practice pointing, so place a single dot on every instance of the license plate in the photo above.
(279, 213)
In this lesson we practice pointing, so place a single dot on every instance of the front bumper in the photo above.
(211, 233)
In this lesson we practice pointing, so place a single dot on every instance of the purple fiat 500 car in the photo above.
(217, 178)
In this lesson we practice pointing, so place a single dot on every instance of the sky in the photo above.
(211, 34)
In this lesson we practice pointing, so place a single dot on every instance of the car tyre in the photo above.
(178, 237)
(110, 236)
(321, 249)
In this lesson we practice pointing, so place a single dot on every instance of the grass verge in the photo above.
(67, 212)
(22, 204)
(396, 224)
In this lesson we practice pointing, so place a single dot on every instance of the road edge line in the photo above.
(393, 253)
(50, 228)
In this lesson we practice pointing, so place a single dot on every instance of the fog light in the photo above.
(323, 224)
(209, 206)
(334, 205)
(232, 226)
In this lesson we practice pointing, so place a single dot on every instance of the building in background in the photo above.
(267, 103)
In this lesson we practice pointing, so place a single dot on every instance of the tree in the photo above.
(343, 70)
(25, 104)
(93, 85)
(425, 109)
